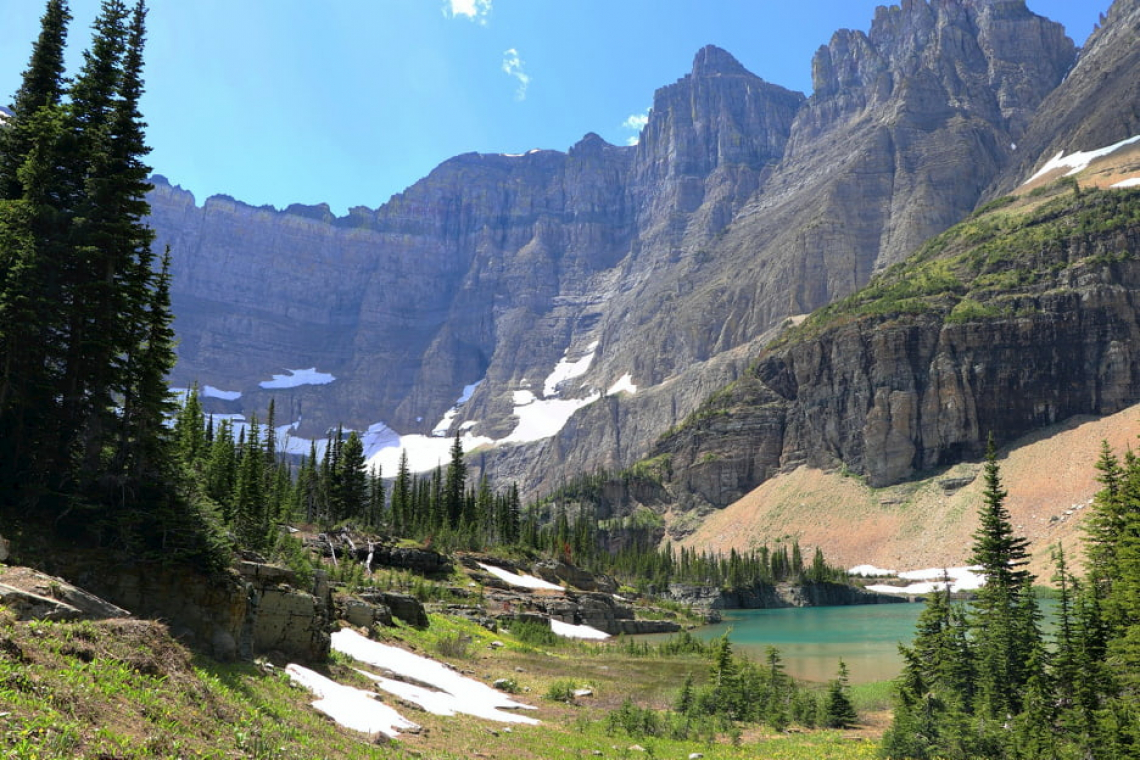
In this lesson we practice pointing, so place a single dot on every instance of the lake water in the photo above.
(811, 640)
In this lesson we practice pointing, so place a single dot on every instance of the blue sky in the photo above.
(350, 101)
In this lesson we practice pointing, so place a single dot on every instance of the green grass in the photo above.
(1009, 244)
(125, 689)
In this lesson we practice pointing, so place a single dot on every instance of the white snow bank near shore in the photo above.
(576, 631)
(349, 706)
(450, 692)
(522, 581)
(935, 579)
(870, 571)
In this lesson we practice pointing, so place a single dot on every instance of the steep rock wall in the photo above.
(742, 204)
(889, 396)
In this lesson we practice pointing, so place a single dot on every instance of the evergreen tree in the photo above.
(375, 517)
(42, 86)
(308, 486)
(455, 484)
(512, 523)
(1004, 610)
(402, 522)
(221, 470)
(251, 516)
(31, 254)
(838, 710)
(86, 342)
(190, 429)
(352, 480)
(1105, 524)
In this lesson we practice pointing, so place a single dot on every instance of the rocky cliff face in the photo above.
(890, 391)
(766, 597)
(670, 262)
(1098, 104)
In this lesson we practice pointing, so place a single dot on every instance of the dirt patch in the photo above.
(1050, 477)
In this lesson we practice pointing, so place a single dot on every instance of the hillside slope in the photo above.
(929, 522)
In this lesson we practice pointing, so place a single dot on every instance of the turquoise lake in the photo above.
(811, 640)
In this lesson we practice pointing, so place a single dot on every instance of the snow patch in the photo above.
(425, 452)
(1077, 162)
(568, 370)
(298, 377)
(450, 692)
(1130, 182)
(935, 579)
(210, 391)
(523, 581)
(623, 385)
(870, 571)
(577, 631)
(538, 418)
(350, 707)
(444, 425)
(543, 418)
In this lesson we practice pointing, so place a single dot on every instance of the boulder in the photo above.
(557, 571)
(35, 596)
(364, 614)
(407, 608)
(291, 622)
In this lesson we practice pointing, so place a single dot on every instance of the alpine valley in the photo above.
(643, 310)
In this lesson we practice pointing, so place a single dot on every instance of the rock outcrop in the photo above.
(765, 597)
(228, 615)
(1097, 104)
(890, 392)
(32, 595)
(599, 611)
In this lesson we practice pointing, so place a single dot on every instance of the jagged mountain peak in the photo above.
(590, 144)
(983, 53)
(714, 61)
(743, 203)
(1095, 106)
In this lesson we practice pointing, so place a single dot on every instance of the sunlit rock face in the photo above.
(666, 262)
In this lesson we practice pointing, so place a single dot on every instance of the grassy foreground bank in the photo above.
(124, 689)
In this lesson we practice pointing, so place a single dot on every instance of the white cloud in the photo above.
(512, 67)
(474, 10)
(635, 122)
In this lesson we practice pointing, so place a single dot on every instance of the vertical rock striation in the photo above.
(743, 203)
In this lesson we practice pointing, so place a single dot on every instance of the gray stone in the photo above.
(223, 645)
(743, 203)
(35, 596)
(406, 608)
(265, 573)
(362, 614)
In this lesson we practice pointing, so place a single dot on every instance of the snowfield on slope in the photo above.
(350, 707)
(522, 581)
(443, 691)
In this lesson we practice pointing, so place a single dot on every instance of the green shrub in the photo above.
(561, 690)
(535, 634)
(454, 645)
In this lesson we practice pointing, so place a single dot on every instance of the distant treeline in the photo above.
(245, 480)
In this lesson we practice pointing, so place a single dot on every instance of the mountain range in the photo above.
(569, 312)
